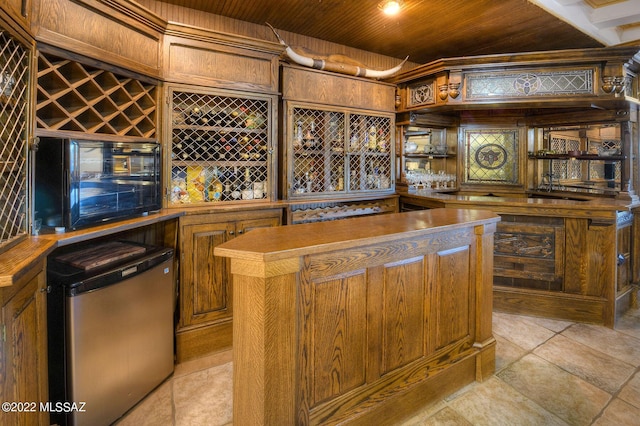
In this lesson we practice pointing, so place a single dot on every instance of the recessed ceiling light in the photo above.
(391, 7)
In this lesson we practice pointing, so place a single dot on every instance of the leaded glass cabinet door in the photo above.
(222, 147)
(14, 78)
(337, 152)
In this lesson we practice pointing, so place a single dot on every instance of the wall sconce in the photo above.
(614, 84)
(391, 7)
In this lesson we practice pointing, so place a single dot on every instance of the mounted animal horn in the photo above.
(335, 63)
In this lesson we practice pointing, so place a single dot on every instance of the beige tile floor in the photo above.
(547, 373)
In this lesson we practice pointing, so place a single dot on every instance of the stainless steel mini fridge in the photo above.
(110, 318)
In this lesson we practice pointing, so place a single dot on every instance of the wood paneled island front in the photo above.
(361, 320)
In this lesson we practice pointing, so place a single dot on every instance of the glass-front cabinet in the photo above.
(427, 162)
(14, 77)
(585, 159)
(337, 152)
(222, 147)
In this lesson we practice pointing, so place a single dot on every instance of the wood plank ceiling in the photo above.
(425, 30)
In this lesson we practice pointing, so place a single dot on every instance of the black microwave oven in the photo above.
(79, 183)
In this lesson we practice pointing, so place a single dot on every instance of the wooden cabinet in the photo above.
(205, 306)
(427, 161)
(585, 160)
(18, 10)
(339, 321)
(337, 152)
(220, 139)
(338, 136)
(23, 351)
(14, 133)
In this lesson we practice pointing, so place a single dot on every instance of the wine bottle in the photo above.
(194, 115)
(247, 179)
(215, 186)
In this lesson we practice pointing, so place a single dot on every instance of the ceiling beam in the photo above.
(627, 12)
(600, 23)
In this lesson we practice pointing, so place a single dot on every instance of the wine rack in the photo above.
(338, 152)
(72, 96)
(14, 77)
(221, 147)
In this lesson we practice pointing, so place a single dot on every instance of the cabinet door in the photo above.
(244, 226)
(205, 288)
(337, 152)
(221, 139)
(19, 9)
(23, 367)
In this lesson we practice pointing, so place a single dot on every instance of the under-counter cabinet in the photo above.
(23, 349)
(206, 312)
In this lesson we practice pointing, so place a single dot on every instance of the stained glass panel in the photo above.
(491, 156)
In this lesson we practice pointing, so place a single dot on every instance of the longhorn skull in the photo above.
(335, 63)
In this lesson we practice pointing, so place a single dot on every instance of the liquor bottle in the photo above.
(308, 181)
(218, 118)
(340, 186)
(197, 147)
(297, 139)
(316, 136)
(236, 184)
(309, 138)
(247, 179)
(205, 118)
(354, 143)
(233, 118)
(372, 136)
(382, 141)
(215, 186)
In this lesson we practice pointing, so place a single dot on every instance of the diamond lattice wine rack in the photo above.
(221, 147)
(81, 98)
(14, 70)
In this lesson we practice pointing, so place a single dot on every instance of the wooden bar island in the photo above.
(360, 321)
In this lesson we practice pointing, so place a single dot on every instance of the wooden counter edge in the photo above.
(291, 243)
(555, 207)
(17, 260)
(20, 258)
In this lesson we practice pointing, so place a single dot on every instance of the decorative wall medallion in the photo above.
(491, 156)
(527, 84)
(422, 94)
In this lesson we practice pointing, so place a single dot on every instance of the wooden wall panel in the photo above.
(339, 312)
(262, 32)
(208, 63)
(452, 305)
(403, 313)
(301, 84)
(99, 34)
